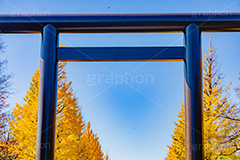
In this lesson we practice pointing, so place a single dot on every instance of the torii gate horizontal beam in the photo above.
(121, 53)
(119, 23)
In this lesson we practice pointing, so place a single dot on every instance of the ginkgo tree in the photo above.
(177, 148)
(221, 118)
(92, 147)
(74, 139)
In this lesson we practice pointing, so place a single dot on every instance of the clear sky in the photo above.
(134, 120)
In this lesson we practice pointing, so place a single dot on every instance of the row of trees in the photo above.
(76, 140)
(18, 133)
(221, 131)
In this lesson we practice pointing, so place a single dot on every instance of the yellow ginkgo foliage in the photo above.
(92, 147)
(177, 148)
(74, 140)
(221, 131)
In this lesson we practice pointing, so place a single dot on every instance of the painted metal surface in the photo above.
(109, 23)
(121, 54)
(193, 94)
(47, 95)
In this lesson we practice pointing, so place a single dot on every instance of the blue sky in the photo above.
(134, 120)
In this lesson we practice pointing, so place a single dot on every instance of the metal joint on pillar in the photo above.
(47, 95)
(193, 94)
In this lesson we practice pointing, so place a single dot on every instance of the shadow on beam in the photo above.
(121, 54)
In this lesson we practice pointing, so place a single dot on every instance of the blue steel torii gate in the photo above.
(51, 26)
